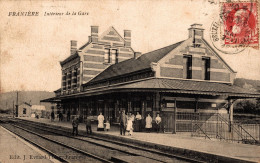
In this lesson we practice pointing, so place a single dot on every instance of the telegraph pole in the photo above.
(13, 108)
(16, 113)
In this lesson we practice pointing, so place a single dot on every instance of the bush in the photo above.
(250, 106)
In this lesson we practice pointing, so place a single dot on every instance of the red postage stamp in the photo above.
(240, 24)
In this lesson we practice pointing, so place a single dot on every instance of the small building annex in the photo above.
(24, 110)
(107, 75)
(28, 110)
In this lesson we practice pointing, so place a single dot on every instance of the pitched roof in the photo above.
(100, 37)
(83, 46)
(191, 86)
(58, 90)
(75, 55)
(134, 65)
(38, 107)
(174, 86)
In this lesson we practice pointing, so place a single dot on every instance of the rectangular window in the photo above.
(69, 79)
(107, 56)
(187, 67)
(76, 77)
(24, 110)
(206, 68)
(114, 56)
(64, 81)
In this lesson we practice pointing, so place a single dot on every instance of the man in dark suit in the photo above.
(122, 120)
(75, 124)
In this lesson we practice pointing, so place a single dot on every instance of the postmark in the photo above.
(239, 24)
(217, 39)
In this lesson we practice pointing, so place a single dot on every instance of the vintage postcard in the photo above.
(129, 81)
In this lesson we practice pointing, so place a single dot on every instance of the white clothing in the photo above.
(158, 120)
(129, 125)
(138, 117)
(100, 121)
(107, 125)
(148, 122)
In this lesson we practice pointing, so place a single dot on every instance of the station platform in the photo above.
(227, 151)
(15, 150)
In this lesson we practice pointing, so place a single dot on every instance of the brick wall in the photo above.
(94, 56)
(173, 67)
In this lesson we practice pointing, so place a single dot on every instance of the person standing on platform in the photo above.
(88, 125)
(148, 123)
(75, 124)
(122, 121)
(68, 116)
(52, 116)
(158, 121)
(129, 126)
(138, 118)
(100, 122)
(60, 116)
(132, 117)
(107, 125)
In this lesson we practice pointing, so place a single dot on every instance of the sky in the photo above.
(31, 47)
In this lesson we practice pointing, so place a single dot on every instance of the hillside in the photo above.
(253, 85)
(32, 97)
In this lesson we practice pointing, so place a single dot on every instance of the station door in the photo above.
(168, 121)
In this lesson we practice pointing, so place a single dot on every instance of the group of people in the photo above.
(100, 127)
(60, 116)
(126, 123)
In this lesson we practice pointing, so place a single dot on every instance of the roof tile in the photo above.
(134, 65)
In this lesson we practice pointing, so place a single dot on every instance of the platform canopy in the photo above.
(52, 100)
(173, 86)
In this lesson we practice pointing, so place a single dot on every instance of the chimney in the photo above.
(127, 37)
(137, 54)
(73, 46)
(94, 33)
(196, 31)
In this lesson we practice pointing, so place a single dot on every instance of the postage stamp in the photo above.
(240, 24)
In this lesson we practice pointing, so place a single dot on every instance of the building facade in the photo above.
(24, 110)
(178, 81)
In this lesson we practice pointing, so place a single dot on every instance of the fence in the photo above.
(221, 129)
(252, 129)
(185, 119)
(217, 126)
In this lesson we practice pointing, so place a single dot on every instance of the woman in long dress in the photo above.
(138, 118)
(100, 119)
(148, 124)
(129, 126)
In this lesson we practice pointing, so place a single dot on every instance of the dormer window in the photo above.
(187, 67)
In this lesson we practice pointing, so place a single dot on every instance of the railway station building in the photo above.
(183, 81)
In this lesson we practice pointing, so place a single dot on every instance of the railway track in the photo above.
(55, 149)
(103, 148)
